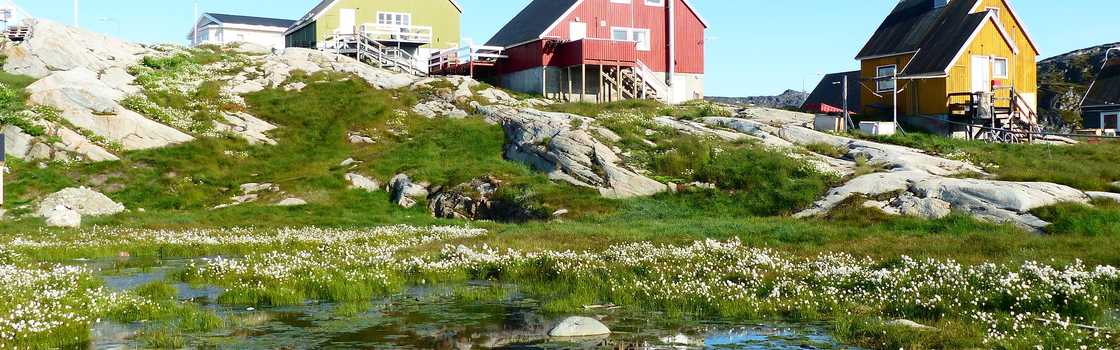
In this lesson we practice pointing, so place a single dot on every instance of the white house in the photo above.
(220, 29)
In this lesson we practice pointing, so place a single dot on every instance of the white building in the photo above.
(214, 28)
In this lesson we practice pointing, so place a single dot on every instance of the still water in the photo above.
(433, 318)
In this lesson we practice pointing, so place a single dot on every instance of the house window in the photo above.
(637, 35)
(394, 18)
(655, 2)
(884, 78)
(1110, 121)
(1001, 68)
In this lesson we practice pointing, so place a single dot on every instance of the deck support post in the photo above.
(569, 71)
(544, 81)
(582, 82)
(599, 95)
(618, 80)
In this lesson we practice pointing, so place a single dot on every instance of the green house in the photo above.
(418, 26)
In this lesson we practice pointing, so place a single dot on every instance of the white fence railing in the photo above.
(400, 33)
(652, 80)
(466, 54)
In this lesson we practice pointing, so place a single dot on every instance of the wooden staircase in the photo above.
(1005, 119)
(373, 53)
(634, 82)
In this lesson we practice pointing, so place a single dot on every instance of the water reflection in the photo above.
(433, 318)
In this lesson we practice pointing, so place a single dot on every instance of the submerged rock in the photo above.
(577, 326)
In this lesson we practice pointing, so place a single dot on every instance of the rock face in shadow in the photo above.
(562, 145)
(478, 200)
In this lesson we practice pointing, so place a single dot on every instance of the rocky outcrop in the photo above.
(58, 144)
(57, 47)
(90, 104)
(276, 69)
(698, 129)
(892, 157)
(438, 108)
(81, 200)
(922, 194)
(1104, 196)
(291, 202)
(577, 326)
(562, 145)
(246, 126)
(477, 201)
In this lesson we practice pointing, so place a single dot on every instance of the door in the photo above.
(347, 20)
(981, 74)
(578, 31)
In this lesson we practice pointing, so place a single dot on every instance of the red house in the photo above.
(600, 50)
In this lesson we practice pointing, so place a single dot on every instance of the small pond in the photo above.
(433, 318)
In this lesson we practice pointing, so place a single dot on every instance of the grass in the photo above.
(759, 188)
(1088, 167)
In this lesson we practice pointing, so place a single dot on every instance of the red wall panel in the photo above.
(602, 15)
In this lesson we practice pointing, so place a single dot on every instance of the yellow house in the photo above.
(938, 54)
(420, 27)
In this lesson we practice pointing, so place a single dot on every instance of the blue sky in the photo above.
(755, 47)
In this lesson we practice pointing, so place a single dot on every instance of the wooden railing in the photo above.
(397, 33)
(476, 54)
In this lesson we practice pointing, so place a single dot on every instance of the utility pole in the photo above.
(3, 169)
(194, 41)
(847, 114)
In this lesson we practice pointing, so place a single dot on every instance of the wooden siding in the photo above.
(873, 105)
(930, 96)
(602, 15)
(595, 51)
(441, 15)
(1024, 69)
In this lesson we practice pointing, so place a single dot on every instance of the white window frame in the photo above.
(392, 16)
(1105, 115)
(657, 3)
(879, 81)
(1007, 66)
(631, 36)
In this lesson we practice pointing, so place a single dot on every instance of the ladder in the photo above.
(374, 53)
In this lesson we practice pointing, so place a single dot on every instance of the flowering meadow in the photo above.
(1027, 305)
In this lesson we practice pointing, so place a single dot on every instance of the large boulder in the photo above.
(563, 146)
(363, 183)
(247, 127)
(405, 193)
(90, 104)
(1104, 196)
(577, 326)
(82, 200)
(61, 216)
(438, 108)
(476, 200)
(57, 47)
